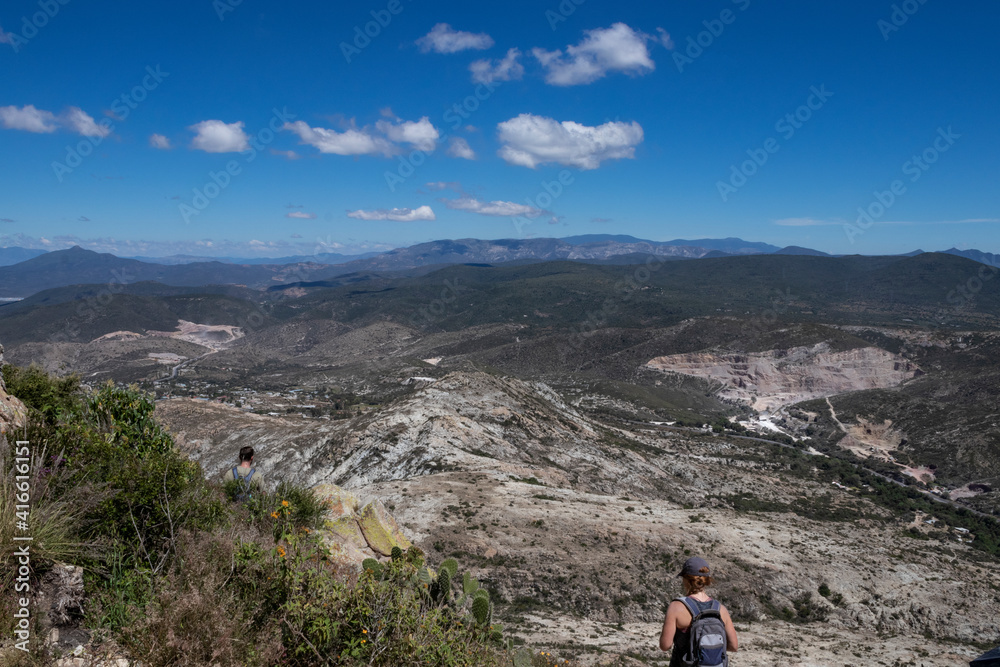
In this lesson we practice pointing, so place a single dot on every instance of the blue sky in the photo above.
(615, 108)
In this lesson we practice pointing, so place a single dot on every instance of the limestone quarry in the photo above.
(579, 527)
(769, 380)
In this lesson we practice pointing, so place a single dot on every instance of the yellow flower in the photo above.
(284, 503)
(274, 515)
(364, 632)
(281, 551)
(363, 641)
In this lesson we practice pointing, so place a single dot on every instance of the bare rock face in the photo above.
(353, 533)
(769, 380)
(12, 411)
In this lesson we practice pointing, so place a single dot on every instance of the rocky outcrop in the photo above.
(353, 532)
(769, 380)
(12, 411)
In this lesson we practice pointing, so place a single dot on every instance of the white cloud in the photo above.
(301, 215)
(159, 141)
(488, 71)
(28, 118)
(459, 147)
(349, 142)
(290, 155)
(82, 123)
(215, 136)
(804, 222)
(420, 134)
(395, 214)
(614, 49)
(6, 37)
(500, 209)
(530, 140)
(443, 39)
(438, 186)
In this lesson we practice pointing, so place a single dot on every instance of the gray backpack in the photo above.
(706, 636)
(243, 490)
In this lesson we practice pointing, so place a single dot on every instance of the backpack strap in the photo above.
(250, 475)
(691, 606)
(236, 475)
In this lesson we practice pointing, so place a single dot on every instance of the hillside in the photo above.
(579, 527)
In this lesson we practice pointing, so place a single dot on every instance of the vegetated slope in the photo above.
(579, 526)
(76, 266)
(100, 313)
(859, 290)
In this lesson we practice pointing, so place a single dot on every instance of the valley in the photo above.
(574, 431)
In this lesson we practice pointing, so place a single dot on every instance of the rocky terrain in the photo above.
(12, 411)
(579, 527)
(775, 378)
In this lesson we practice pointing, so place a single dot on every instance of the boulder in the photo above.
(380, 529)
(353, 533)
(13, 413)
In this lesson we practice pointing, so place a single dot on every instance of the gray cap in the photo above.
(696, 567)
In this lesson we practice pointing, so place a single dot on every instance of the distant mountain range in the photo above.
(15, 255)
(75, 266)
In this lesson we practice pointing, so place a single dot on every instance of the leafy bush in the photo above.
(47, 396)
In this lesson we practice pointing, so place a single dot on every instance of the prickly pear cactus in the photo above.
(451, 565)
(373, 565)
(481, 610)
(444, 584)
(397, 553)
(469, 585)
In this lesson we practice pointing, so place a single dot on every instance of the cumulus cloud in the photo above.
(82, 123)
(395, 214)
(159, 141)
(614, 49)
(444, 39)
(420, 134)
(301, 215)
(350, 142)
(383, 139)
(29, 119)
(500, 209)
(459, 147)
(507, 69)
(216, 136)
(530, 140)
